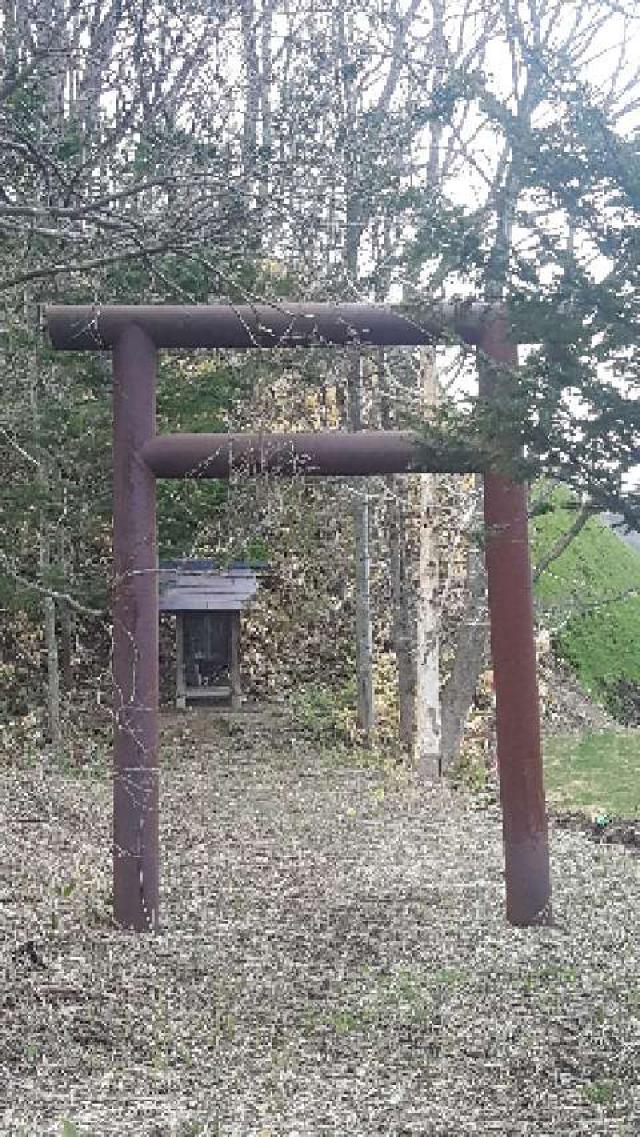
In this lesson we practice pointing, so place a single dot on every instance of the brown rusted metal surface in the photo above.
(96, 328)
(328, 453)
(513, 651)
(135, 333)
(135, 637)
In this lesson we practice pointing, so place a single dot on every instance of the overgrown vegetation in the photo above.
(589, 599)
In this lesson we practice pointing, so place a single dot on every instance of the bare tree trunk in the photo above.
(406, 612)
(364, 630)
(364, 633)
(427, 755)
(66, 615)
(403, 608)
(471, 651)
(266, 81)
(48, 603)
(53, 671)
(400, 575)
(252, 92)
(67, 634)
(401, 527)
(353, 219)
(51, 646)
(54, 116)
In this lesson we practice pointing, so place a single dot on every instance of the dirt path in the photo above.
(334, 960)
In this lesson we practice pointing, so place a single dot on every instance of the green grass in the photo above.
(594, 773)
(602, 1092)
(584, 596)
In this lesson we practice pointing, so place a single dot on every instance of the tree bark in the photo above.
(471, 651)
(252, 93)
(54, 727)
(427, 753)
(364, 630)
(364, 633)
(67, 634)
(403, 607)
(266, 81)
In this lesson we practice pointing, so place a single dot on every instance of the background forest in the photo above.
(192, 152)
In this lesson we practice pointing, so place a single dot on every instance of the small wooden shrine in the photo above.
(207, 601)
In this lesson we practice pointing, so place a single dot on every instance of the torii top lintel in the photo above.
(279, 324)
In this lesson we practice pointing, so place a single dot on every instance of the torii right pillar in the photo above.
(524, 820)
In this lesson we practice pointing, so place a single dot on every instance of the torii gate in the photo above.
(134, 334)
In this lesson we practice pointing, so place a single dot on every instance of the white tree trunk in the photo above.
(403, 605)
(471, 650)
(401, 506)
(427, 754)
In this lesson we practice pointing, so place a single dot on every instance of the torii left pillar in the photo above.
(135, 636)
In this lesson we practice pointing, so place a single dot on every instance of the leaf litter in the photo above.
(332, 959)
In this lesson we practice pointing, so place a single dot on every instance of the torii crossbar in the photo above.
(134, 334)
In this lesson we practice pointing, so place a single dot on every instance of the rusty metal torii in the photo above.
(134, 334)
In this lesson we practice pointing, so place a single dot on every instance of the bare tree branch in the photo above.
(586, 512)
(54, 594)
